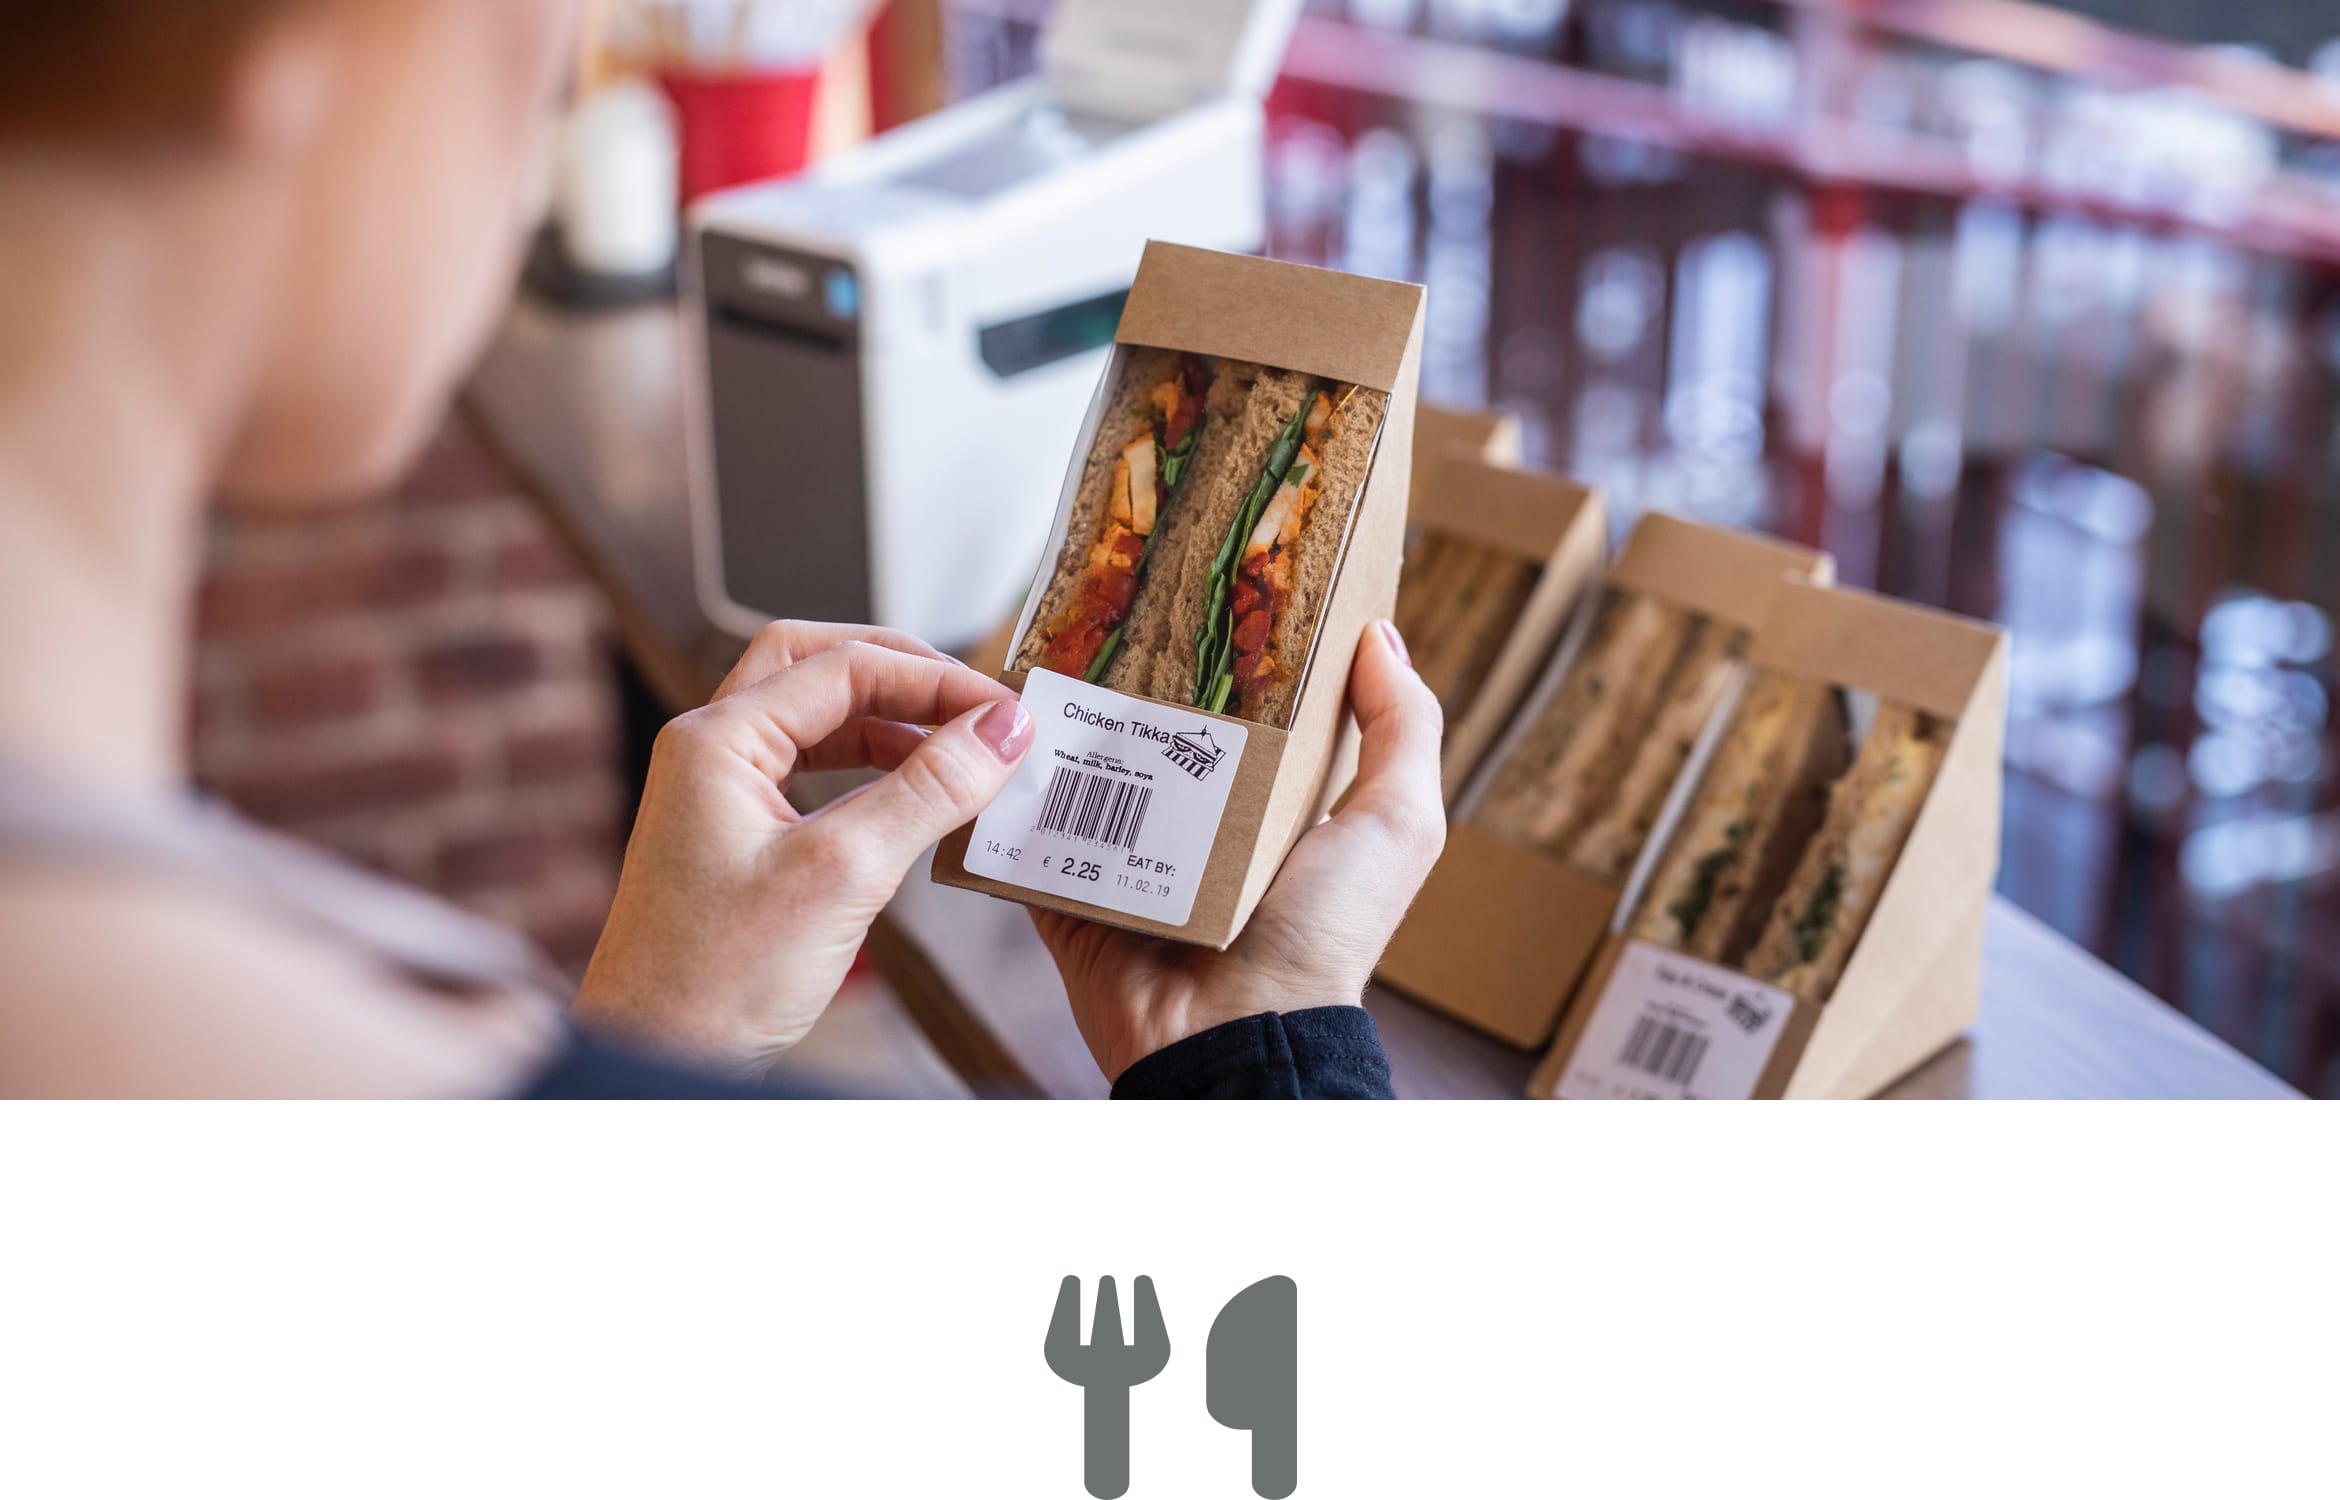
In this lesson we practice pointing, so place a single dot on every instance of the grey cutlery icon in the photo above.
(1106, 1369)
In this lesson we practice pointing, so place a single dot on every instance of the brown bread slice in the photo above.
(1462, 610)
(1509, 582)
(1426, 594)
(1653, 758)
(1248, 407)
(1754, 812)
(1553, 780)
(1348, 457)
(1456, 586)
(1125, 412)
(1431, 601)
(1818, 919)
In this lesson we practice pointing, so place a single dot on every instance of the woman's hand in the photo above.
(1322, 925)
(736, 916)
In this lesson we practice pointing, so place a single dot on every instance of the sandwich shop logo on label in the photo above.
(1749, 1011)
(1195, 752)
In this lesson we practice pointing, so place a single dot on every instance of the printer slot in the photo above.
(1010, 348)
(822, 340)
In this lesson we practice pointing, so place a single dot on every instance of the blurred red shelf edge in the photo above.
(2074, 46)
(2291, 217)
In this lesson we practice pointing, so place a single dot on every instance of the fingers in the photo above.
(1397, 793)
(775, 719)
(784, 643)
(863, 847)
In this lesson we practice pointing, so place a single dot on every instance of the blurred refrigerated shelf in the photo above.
(2285, 217)
(2057, 41)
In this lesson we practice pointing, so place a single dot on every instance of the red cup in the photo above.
(739, 127)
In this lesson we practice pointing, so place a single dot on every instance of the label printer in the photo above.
(888, 357)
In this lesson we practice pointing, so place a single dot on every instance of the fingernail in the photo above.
(1006, 729)
(1397, 643)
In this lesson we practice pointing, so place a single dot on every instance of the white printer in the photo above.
(889, 356)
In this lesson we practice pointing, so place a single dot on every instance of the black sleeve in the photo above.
(1329, 1052)
(589, 1069)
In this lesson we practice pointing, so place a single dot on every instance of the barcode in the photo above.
(1664, 1050)
(1100, 809)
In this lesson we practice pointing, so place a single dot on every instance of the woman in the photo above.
(249, 247)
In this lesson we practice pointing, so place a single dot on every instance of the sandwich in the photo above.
(1234, 560)
(1128, 486)
(1751, 819)
(1817, 920)
(1587, 780)
(1457, 601)
(1695, 683)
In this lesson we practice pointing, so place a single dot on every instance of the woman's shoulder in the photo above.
(124, 985)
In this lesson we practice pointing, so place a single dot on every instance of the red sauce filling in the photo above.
(1257, 598)
(1102, 601)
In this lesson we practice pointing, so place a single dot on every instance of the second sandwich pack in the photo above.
(1541, 844)
(1233, 519)
(1813, 925)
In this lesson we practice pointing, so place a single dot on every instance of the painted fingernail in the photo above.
(1397, 642)
(1006, 729)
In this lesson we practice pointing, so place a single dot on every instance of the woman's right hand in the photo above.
(1324, 922)
(736, 915)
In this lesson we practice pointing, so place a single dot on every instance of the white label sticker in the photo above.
(1117, 804)
(1668, 1026)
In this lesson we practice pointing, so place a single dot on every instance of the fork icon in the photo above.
(1105, 1369)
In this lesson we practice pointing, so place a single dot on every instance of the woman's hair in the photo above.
(91, 67)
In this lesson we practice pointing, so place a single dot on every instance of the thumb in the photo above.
(1349, 880)
(946, 781)
(1397, 789)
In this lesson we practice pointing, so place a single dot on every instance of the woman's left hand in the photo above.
(1326, 917)
(736, 916)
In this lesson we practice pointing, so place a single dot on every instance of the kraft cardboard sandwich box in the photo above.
(1232, 520)
(1810, 924)
(1492, 437)
(1542, 840)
